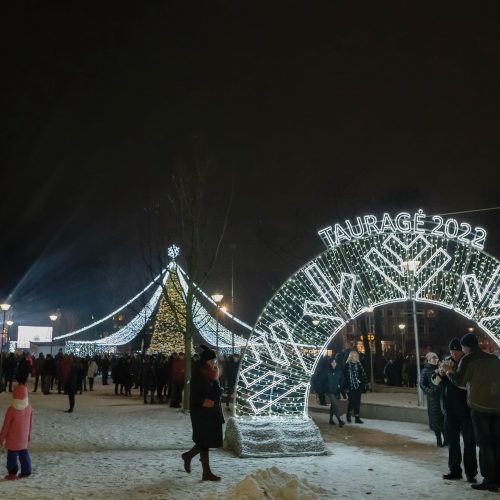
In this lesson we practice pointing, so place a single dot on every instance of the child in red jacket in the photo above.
(16, 432)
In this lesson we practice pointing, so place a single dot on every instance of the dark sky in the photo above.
(318, 112)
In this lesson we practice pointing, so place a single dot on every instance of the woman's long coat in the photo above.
(433, 392)
(206, 422)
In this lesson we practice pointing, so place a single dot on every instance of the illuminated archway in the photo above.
(367, 264)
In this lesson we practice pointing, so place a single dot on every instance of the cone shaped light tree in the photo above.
(170, 325)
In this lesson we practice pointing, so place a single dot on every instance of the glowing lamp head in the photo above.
(401, 326)
(10, 322)
(53, 317)
(217, 297)
(5, 307)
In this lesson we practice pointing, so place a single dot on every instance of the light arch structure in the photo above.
(367, 263)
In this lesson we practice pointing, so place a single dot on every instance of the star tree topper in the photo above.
(173, 251)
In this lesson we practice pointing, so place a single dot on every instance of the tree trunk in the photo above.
(188, 341)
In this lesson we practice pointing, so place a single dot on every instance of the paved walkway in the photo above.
(386, 403)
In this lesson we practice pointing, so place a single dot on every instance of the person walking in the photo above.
(335, 382)
(70, 374)
(16, 434)
(479, 373)
(91, 373)
(39, 364)
(355, 382)
(433, 393)
(205, 411)
(105, 369)
(23, 370)
(457, 419)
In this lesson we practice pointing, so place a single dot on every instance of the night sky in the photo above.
(317, 113)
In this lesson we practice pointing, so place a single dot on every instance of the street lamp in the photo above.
(53, 318)
(5, 308)
(217, 298)
(411, 267)
(9, 324)
(402, 327)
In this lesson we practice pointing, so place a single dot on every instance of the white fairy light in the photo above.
(368, 263)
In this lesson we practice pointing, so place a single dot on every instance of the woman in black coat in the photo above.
(433, 392)
(355, 383)
(335, 383)
(206, 412)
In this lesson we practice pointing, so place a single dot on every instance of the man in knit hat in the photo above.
(479, 373)
(457, 419)
(16, 433)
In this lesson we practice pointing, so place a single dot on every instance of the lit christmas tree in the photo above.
(170, 324)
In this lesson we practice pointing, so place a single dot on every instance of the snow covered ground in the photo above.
(113, 446)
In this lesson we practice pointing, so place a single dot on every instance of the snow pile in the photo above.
(271, 484)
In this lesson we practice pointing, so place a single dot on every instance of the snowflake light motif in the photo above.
(173, 251)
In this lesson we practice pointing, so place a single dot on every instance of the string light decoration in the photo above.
(170, 323)
(203, 320)
(366, 264)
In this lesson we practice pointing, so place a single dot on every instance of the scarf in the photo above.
(209, 373)
(354, 373)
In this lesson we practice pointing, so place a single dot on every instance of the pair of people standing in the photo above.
(350, 377)
(479, 373)
(457, 419)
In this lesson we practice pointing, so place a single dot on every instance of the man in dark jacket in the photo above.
(457, 419)
(479, 373)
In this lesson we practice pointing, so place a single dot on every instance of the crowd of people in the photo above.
(463, 401)
(462, 390)
(159, 378)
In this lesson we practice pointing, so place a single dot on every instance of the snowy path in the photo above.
(116, 447)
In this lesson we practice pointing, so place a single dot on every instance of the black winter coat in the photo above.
(206, 422)
(335, 381)
(433, 392)
(355, 377)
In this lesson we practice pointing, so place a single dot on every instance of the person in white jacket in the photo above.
(91, 373)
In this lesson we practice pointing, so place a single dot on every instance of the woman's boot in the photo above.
(331, 419)
(439, 441)
(207, 473)
(341, 422)
(348, 416)
(357, 420)
(188, 456)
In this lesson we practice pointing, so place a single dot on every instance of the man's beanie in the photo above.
(206, 354)
(455, 345)
(469, 340)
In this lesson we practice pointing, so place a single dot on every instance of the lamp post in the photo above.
(402, 327)
(233, 248)
(5, 308)
(217, 298)
(9, 324)
(411, 267)
(53, 318)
